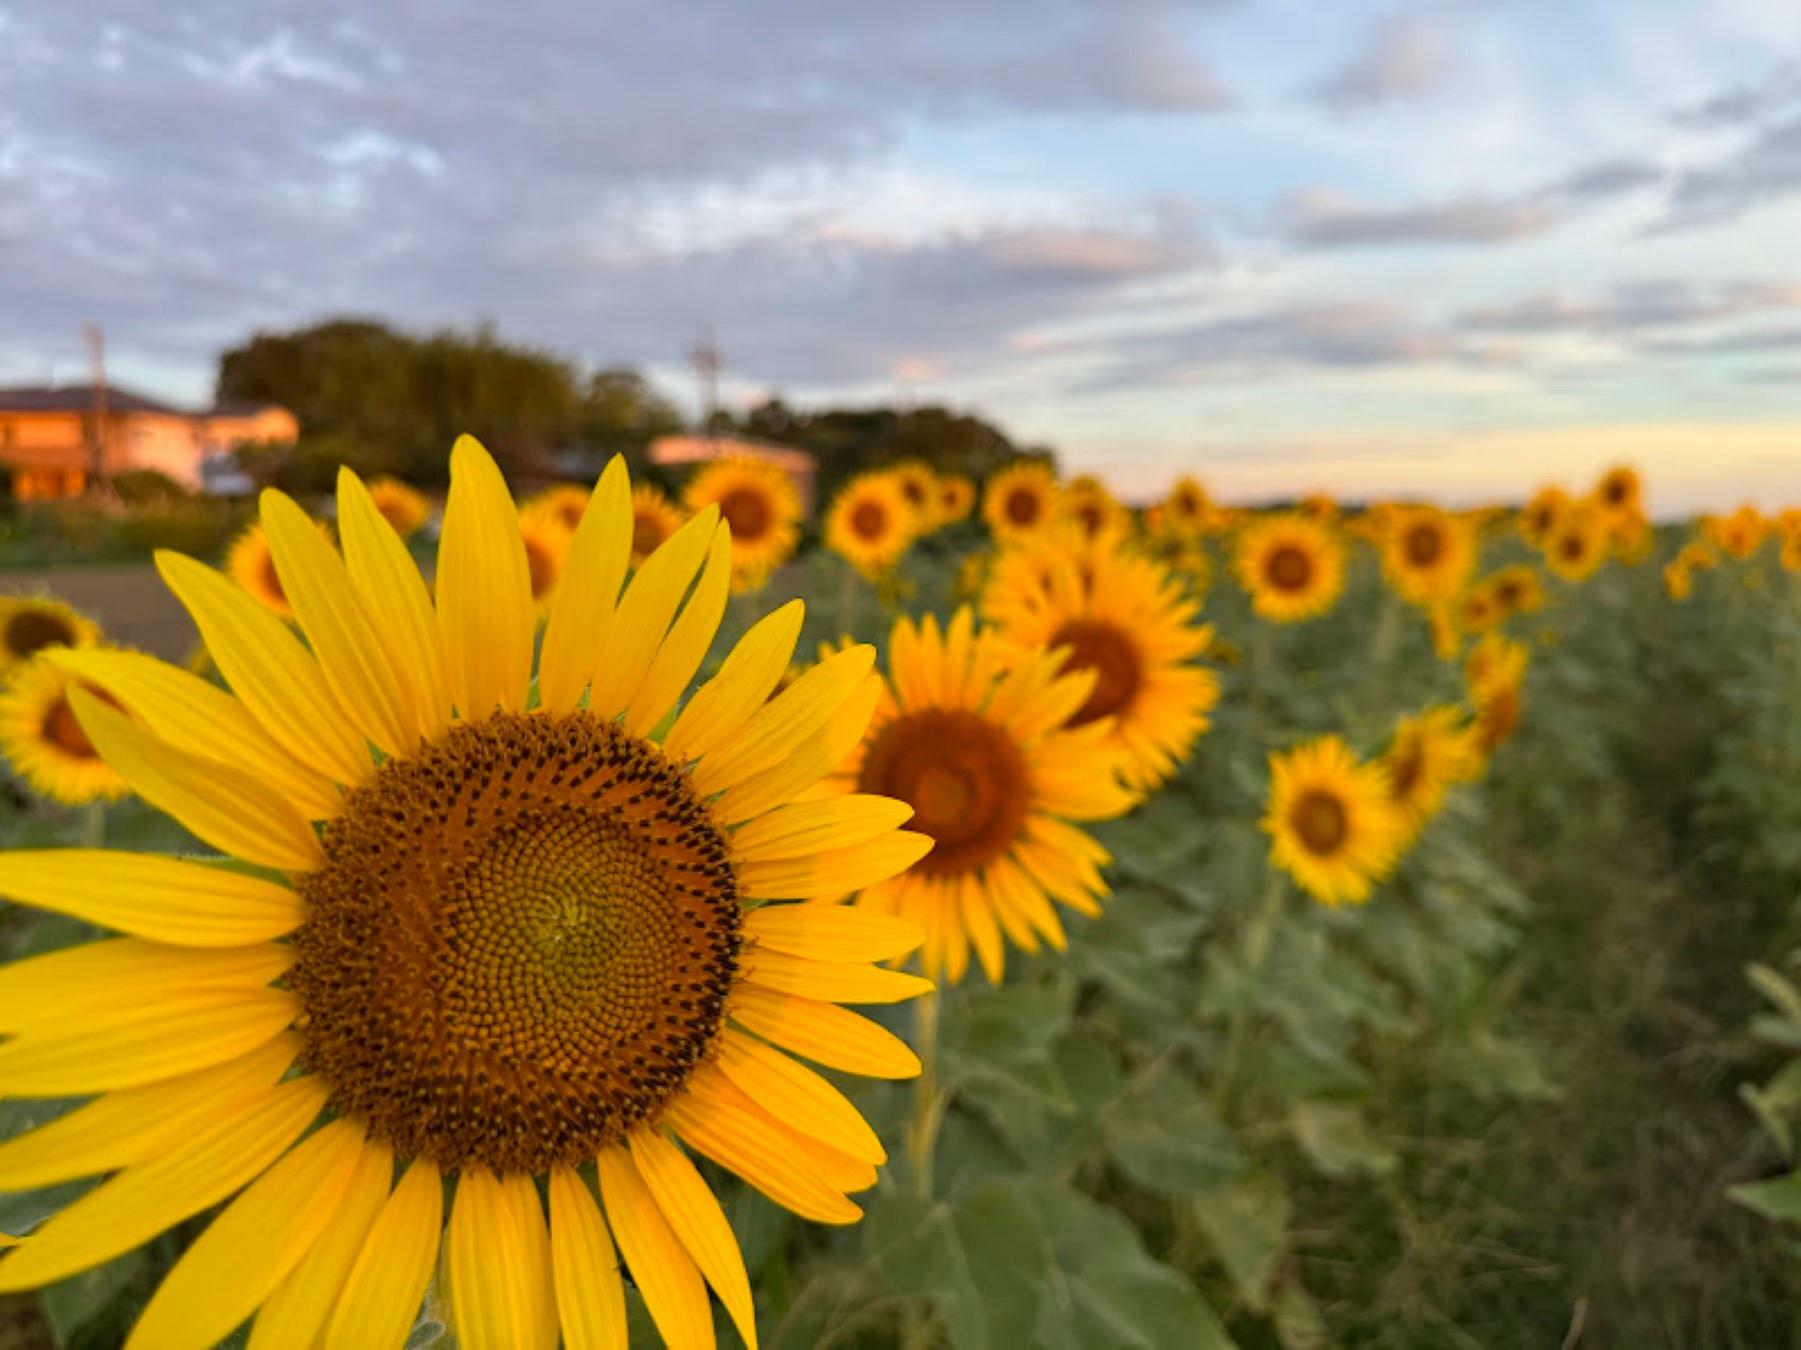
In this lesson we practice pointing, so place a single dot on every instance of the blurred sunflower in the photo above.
(1517, 589)
(401, 504)
(1629, 536)
(1019, 500)
(565, 501)
(1332, 824)
(1577, 543)
(1447, 637)
(30, 623)
(45, 744)
(984, 754)
(870, 523)
(654, 519)
(1697, 555)
(956, 498)
(249, 563)
(523, 943)
(1186, 508)
(758, 500)
(1541, 513)
(1678, 579)
(919, 489)
(546, 539)
(1291, 565)
(1124, 617)
(1086, 505)
(1621, 492)
(1738, 535)
(1427, 755)
(1318, 506)
(1791, 551)
(1427, 553)
(1495, 672)
(1478, 610)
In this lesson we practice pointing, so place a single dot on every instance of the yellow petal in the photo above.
(247, 1251)
(590, 1296)
(133, 1124)
(385, 576)
(807, 762)
(831, 981)
(381, 1297)
(124, 1048)
(665, 1274)
(269, 670)
(642, 619)
(835, 872)
(226, 807)
(984, 932)
(201, 719)
(142, 1201)
(485, 610)
(831, 932)
(745, 679)
(800, 828)
(693, 1213)
(296, 1313)
(774, 731)
(714, 1118)
(65, 987)
(497, 1265)
(689, 639)
(581, 612)
(146, 894)
(344, 635)
(797, 1096)
(824, 1033)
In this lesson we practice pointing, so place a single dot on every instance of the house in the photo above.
(677, 450)
(47, 441)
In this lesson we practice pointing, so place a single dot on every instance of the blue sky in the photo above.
(1447, 248)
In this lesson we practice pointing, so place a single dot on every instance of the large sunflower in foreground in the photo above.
(1291, 565)
(994, 774)
(1428, 554)
(758, 500)
(1124, 617)
(44, 742)
(1332, 821)
(1428, 754)
(30, 623)
(1020, 500)
(870, 523)
(527, 941)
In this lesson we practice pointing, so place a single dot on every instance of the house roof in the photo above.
(79, 398)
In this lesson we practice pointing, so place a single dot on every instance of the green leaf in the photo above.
(1164, 1135)
(1246, 1223)
(1778, 1199)
(1338, 1140)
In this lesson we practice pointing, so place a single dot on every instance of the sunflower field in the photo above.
(973, 915)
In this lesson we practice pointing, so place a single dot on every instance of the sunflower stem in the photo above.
(1258, 932)
(928, 1099)
(847, 600)
(93, 825)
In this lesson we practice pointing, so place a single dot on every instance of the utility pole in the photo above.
(705, 359)
(97, 475)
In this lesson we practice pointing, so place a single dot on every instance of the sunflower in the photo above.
(1577, 543)
(1291, 565)
(1318, 506)
(956, 498)
(547, 540)
(1791, 551)
(1477, 610)
(1427, 754)
(44, 742)
(401, 504)
(31, 623)
(1697, 555)
(1517, 589)
(1447, 637)
(919, 489)
(870, 523)
(1679, 579)
(1124, 617)
(1621, 492)
(249, 562)
(1495, 673)
(1541, 513)
(654, 519)
(565, 501)
(1086, 505)
(1332, 822)
(984, 754)
(758, 500)
(1020, 500)
(1427, 553)
(527, 942)
(1186, 508)
(1738, 535)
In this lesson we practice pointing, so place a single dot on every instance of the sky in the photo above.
(1446, 248)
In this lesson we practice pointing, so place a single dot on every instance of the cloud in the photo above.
(1739, 104)
(1762, 170)
(1632, 307)
(1404, 57)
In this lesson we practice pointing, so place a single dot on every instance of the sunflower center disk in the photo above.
(520, 945)
(868, 520)
(1320, 821)
(1022, 507)
(747, 511)
(1114, 659)
(964, 778)
(1423, 545)
(29, 632)
(1289, 569)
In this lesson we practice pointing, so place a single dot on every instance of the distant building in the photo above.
(47, 440)
(679, 450)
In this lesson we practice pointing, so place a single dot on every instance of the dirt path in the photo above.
(128, 599)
